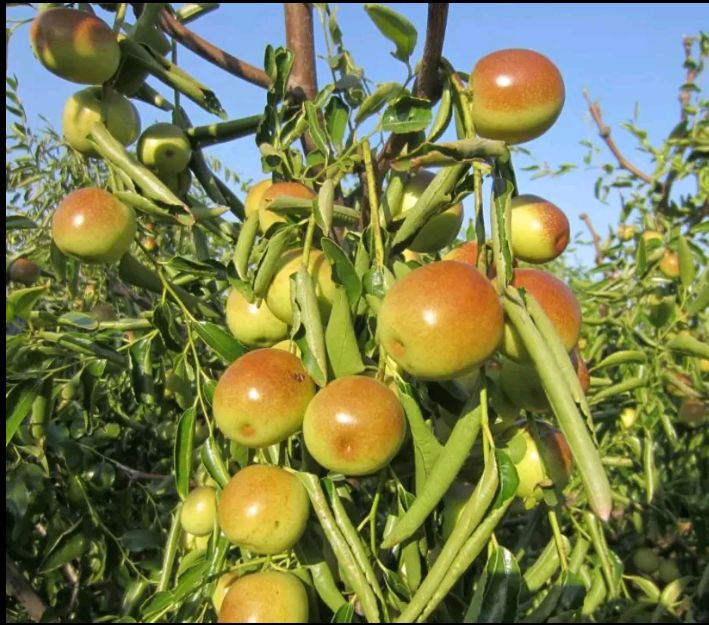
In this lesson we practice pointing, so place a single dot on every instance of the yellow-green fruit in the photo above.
(440, 321)
(278, 295)
(252, 202)
(253, 325)
(93, 226)
(540, 229)
(355, 426)
(669, 265)
(651, 235)
(261, 398)
(199, 511)
(440, 230)
(266, 597)
(669, 571)
(75, 45)
(292, 189)
(517, 95)
(522, 386)
(453, 504)
(164, 148)
(178, 183)
(92, 105)
(704, 365)
(538, 468)
(24, 271)
(222, 587)
(558, 302)
(626, 232)
(264, 509)
(288, 346)
(646, 560)
(627, 417)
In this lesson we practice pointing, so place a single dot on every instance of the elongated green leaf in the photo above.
(373, 103)
(21, 303)
(395, 27)
(502, 590)
(325, 206)
(223, 344)
(336, 117)
(214, 462)
(184, 444)
(18, 222)
(345, 272)
(342, 348)
(269, 264)
(317, 133)
(686, 263)
(245, 243)
(18, 403)
(307, 314)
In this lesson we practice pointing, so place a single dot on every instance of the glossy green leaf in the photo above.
(184, 445)
(407, 114)
(375, 102)
(18, 404)
(344, 270)
(340, 340)
(395, 27)
(223, 344)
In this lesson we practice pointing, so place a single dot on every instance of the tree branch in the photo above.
(23, 591)
(595, 237)
(605, 134)
(685, 93)
(299, 39)
(427, 85)
(192, 41)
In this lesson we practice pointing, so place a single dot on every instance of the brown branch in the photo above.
(192, 41)
(685, 94)
(427, 85)
(299, 39)
(23, 591)
(605, 133)
(594, 235)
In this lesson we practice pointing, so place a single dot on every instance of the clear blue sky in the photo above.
(624, 54)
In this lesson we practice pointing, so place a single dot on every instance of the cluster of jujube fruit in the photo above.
(441, 321)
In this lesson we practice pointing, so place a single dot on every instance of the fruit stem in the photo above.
(558, 538)
(373, 205)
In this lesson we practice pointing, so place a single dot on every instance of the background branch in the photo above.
(605, 133)
(23, 591)
(594, 236)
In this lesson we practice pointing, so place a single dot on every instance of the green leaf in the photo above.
(373, 103)
(344, 614)
(342, 348)
(427, 449)
(18, 222)
(336, 117)
(395, 27)
(184, 445)
(141, 540)
(502, 589)
(245, 243)
(223, 344)
(508, 478)
(79, 320)
(18, 403)
(345, 272)
(71, 549)
(316, 130)
(324, 206)
(20, 303)
(164, 321)
(407, 114)
(307, 313)
(686, 264)
(214, 462)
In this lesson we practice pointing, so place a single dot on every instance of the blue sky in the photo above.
(625, 55)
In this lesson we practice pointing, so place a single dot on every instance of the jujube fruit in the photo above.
(440, 321)
(320, 270)
(556, 300)
(93, 226)
(265, 597)
(517, 95)
(89, 106)
(75, 45)
(292, 189)
(254, 325)
(264, 509)
(199, 511)
(540, 230)
(355, 426)
(261, 398)
(24, 271)
(164, 148)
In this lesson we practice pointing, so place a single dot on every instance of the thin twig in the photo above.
(427, 85)
(23, 591)
(68, 571)
(605, 133)
(212, 53)
(594, 235)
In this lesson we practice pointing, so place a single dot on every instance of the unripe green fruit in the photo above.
(75, 45)
(626, 232)
(92, 105)
(261, 398)
(440, 321)
(165, 148)
(517, 95)
(355, 426)
(320, 270)
(253, 325)
(265, 597)
(540, 230)
(264, 509)
(668, 571)
(94, 227)
(199, 511)
(646, 560)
